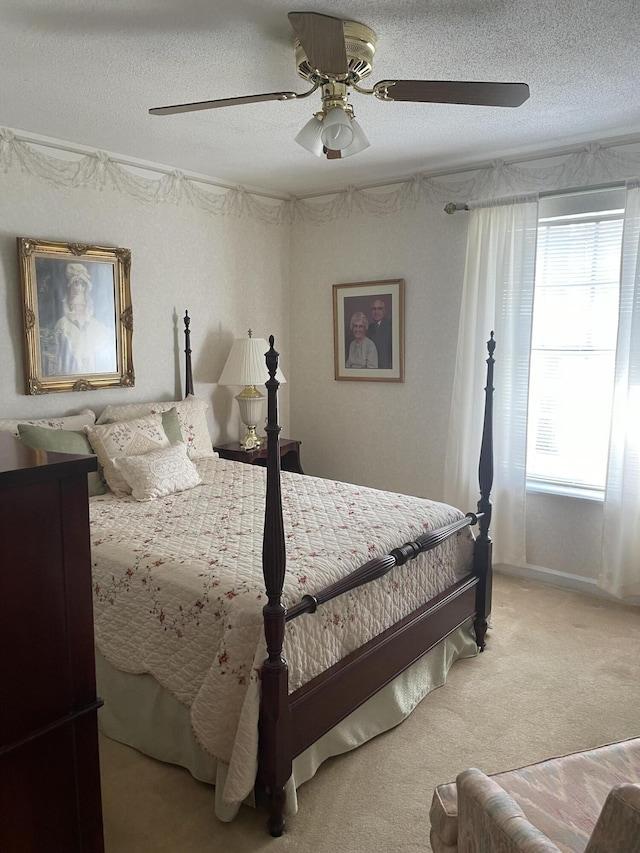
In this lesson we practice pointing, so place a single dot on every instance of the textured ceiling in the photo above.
(87, 71)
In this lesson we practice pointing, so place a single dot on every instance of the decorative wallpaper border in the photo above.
(589, 165)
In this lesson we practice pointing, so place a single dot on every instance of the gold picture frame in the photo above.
(78, 321)
(368, 331)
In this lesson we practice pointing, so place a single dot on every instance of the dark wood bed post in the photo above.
(483, 547)
(275, 730)
(188, 375)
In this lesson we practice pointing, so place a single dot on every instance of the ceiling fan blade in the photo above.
(222, 102)
(454, 92)
(322, 38)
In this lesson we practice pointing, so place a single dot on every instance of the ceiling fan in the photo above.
(334, 56)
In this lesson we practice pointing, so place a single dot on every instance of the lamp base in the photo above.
(251, 441)
(251, 403)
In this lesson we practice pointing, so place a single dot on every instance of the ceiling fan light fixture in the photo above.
(310, 136)
(337, 133)
(360, 141)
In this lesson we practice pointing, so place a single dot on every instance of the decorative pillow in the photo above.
(125, 438)
(191, 416)
(160, 472)
(127, 412)
(76, 422)
(171, 425)
(63, 441)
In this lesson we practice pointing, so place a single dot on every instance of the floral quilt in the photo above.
(178, 588)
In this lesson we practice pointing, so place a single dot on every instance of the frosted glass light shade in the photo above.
(336, 133)
(360, 141)
(246, 364)
(309, 136)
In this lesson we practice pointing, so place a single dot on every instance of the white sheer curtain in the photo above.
(621, 520)
(497, 295)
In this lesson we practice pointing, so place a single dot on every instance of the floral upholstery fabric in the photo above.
(564, 796)
(618, 827)
(490, 820)
(561, 797)
(444, 819)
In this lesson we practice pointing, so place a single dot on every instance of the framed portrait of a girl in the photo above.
(77, 313)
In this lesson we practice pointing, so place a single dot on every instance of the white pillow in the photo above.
(191, 416)
(77, 422)
(125, 412)
(125, 438)
(160, 472)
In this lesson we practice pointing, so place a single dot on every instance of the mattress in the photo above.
(179, 591)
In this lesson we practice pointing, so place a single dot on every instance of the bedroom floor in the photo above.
(518, 702)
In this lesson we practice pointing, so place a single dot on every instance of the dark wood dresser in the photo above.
(49, 766)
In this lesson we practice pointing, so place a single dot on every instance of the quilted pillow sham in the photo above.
(85, 418)
(125, 438)
(191, 416)
(160, 472)
(63, 441)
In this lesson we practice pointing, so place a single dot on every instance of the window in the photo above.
(575, 322)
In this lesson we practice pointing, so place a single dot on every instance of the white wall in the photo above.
(234, 272)
(393, 436)
(564, 534)
(230, 273)
(381, 434)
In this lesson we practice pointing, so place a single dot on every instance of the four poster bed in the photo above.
(368, 594)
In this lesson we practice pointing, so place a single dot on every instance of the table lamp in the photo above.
(246, 366)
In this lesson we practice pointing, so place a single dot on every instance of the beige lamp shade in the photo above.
(246, 366)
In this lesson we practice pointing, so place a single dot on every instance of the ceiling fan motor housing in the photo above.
(360, 44)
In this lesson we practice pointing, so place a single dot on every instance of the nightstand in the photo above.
(289, 454)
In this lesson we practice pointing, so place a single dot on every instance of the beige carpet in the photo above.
(560, 673)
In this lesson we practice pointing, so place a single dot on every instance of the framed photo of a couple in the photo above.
(77, 316)
(368, 331)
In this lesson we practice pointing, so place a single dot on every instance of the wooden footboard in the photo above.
(326, 700)
(291, 723)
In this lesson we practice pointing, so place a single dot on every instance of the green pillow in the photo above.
(63, 441)
(171, 425)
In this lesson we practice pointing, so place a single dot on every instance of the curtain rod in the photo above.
(453, 207)
(614, 185)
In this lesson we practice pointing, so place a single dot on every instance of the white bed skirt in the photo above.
(140, 713)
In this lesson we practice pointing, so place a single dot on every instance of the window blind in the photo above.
(575, 320)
